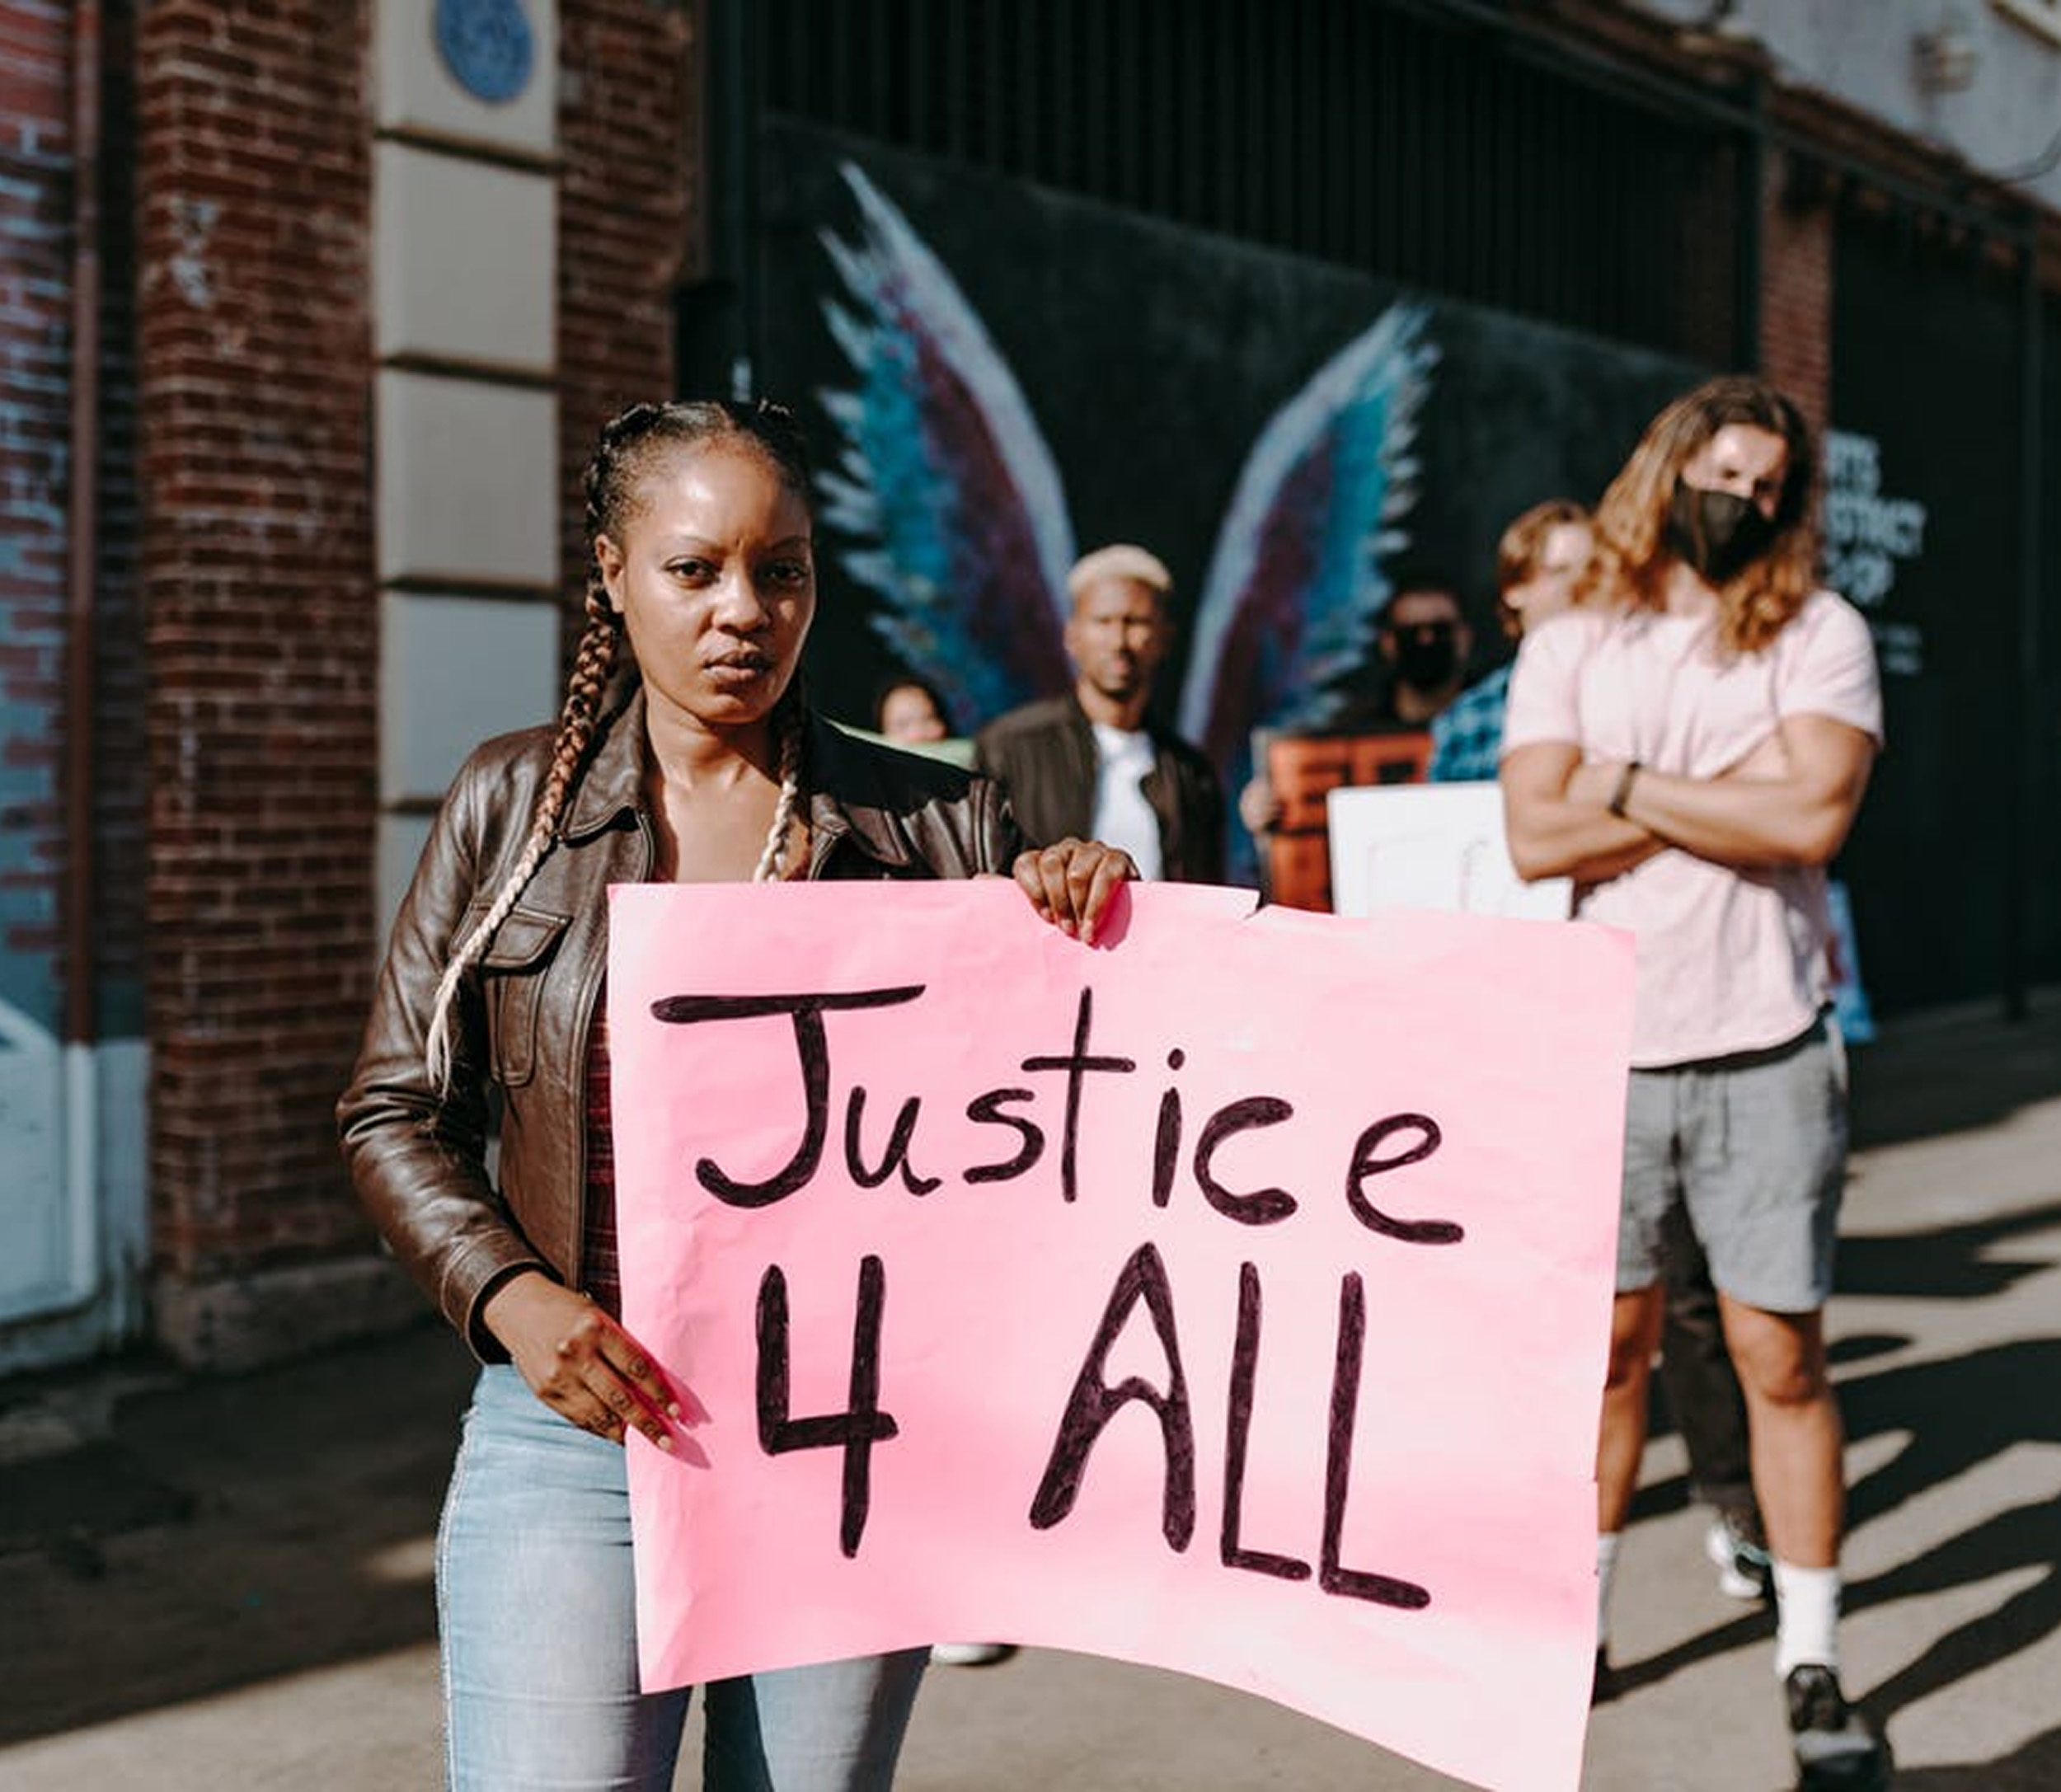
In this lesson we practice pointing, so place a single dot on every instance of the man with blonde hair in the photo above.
(1091, 764)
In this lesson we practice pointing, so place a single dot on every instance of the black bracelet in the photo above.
(1622, 795)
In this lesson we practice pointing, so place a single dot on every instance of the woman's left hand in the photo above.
(1071, 882)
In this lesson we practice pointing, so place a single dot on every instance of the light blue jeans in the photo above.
(537, 1611)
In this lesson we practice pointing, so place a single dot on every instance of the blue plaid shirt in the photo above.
(1467, 735)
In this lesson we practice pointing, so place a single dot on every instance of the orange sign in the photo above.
(1303, 768)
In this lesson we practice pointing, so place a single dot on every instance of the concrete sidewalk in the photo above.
(213, 1584)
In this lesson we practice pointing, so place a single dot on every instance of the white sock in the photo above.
(1606, 1566)
(1806, 1617)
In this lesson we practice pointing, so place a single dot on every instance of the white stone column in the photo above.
(465, 279)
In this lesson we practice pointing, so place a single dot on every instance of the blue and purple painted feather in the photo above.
(1295, 585)
(943, 482)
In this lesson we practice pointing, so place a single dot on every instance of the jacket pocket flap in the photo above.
(524, 938)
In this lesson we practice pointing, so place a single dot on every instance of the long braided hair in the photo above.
(611, 485)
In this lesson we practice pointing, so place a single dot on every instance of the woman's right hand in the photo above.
(579, 1362)
(1071, 883)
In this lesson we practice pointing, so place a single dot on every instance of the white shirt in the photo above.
(1123, 818)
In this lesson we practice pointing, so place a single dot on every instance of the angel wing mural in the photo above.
(958, 520)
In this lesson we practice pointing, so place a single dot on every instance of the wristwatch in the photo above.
(1622, 795)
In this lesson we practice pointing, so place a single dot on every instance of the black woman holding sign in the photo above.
(698, 762)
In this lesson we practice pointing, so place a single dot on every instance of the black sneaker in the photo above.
(1837, 1748)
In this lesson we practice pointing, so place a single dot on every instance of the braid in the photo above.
(576, 724)
(767, 870)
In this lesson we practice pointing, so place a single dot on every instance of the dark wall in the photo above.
(1152, 356)
(1454, 156)
(2042, 825)
(1927, 364)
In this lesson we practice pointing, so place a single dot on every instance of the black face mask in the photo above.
(1720, 534)
(1426, 655)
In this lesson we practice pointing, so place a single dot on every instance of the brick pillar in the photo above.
(256, 355)
(1796, 327)
(254, 362)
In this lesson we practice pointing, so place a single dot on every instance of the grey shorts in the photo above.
(1754, 1149)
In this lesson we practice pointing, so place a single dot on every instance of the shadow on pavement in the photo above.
(1931, 1076)
(1958, 1413)
(2036, 1767)
(208, 1532)
(1949, 1262)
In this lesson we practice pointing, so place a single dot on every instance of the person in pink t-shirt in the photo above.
(1690, 745)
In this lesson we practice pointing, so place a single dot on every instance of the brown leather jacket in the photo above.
(521, 1018)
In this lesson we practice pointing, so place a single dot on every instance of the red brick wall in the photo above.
(254, 379)
(255, 376)
(1700, 238)
(1795, 319)
(626, 120)
(256, 364)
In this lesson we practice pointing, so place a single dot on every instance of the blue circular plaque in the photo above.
(487, 45)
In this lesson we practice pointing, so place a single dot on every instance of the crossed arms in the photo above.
(1790, 802)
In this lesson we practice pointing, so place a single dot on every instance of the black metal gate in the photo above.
(1420, 144)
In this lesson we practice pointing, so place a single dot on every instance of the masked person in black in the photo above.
(1719, 533)
(1424, 642)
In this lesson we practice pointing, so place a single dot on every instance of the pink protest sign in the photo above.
(1231, 1296)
